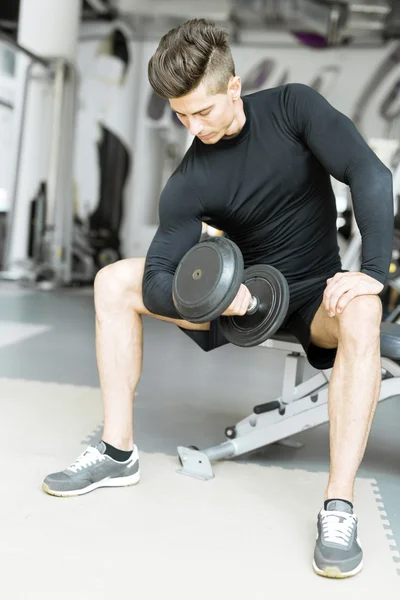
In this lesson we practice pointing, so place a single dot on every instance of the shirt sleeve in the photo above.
(339, 147)
(179, 230)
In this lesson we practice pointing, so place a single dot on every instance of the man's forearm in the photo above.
(372, 194)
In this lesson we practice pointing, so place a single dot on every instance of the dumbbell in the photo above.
(207, 281)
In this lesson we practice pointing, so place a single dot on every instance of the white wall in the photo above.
(122, 105)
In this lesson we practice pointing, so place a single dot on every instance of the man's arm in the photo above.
(179, 230)
(339, 147)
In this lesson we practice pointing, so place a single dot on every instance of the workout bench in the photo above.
(303, 404)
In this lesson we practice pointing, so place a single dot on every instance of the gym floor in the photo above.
(185, 397)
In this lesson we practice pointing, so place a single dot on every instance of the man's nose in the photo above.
(195, 127)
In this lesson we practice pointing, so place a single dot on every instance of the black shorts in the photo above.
(305, 299)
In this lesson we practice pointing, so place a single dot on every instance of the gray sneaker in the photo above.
(338, 552)
(91, 470)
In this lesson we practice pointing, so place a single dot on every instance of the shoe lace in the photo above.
(88, 458)
(337, 527)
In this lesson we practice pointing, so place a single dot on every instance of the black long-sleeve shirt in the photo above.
(269, 189)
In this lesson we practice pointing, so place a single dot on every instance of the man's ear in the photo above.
(235, 86)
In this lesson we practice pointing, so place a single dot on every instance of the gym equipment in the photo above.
(207, 281)
(383, 70)
(115, 162)
(390, 109)
(311, 39)
(303, 404)
(51, 254)
(258, 76)
(393, 21)
(324, 79)
(284, 79)
(63, 249)
(156, 107)
(37, 222)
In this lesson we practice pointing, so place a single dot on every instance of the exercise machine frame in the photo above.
(303, 404)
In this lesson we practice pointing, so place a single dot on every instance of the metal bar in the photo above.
(34, 57)
(55, 142)
(224, 450)
(6, 104)
(65, 223)
(370, 10)
(391, 367)
(68, 218)
(289, 379)
(15, 183)
(334, 23)
(364, 26)
(301, 415)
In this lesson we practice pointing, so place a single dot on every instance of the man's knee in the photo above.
(360, 322)
(119, 283)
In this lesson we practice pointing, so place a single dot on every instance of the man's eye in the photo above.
(205, 114)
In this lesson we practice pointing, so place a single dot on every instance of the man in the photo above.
(259, 169)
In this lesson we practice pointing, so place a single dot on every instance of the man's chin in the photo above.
(206, 138)
(210, 139)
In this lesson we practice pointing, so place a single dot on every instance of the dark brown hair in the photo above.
(196, 50)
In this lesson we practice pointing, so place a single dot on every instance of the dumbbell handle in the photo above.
(253, 305)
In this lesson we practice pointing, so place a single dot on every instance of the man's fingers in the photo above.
(344, 287)
(329, 296)
(337, 286)
(345, 299)
(336, 278)
(333, 298)
(242, 301)
(332, 286)
(246, 300)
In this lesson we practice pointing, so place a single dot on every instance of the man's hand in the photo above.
(240, 304)
(343, 287)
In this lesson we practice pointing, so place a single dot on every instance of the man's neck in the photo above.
(238, 121)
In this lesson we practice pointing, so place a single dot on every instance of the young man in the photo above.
(259, 168)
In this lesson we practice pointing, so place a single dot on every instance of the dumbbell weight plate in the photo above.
(272, 290)
(207, 280)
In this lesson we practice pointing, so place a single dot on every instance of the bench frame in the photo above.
(303, 404)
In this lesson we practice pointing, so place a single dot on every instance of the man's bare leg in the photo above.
(354, 387)
(353, 396)
(119, 336)
(114, 461)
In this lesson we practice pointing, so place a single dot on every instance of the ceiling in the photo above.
(340, 21)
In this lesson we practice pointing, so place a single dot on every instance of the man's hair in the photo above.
(196, 51)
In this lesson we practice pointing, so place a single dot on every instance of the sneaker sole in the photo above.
(335, 572)
(110, 482)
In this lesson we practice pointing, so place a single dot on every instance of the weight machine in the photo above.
(58, 253)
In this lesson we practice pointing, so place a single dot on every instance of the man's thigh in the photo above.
(135, 267)
(310, 324)
(360, 313)
(324, 330)
(129, 274)
(208, 336)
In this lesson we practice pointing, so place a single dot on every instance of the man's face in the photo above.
(209, 117)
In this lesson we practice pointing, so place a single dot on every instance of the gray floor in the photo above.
(185, 396)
